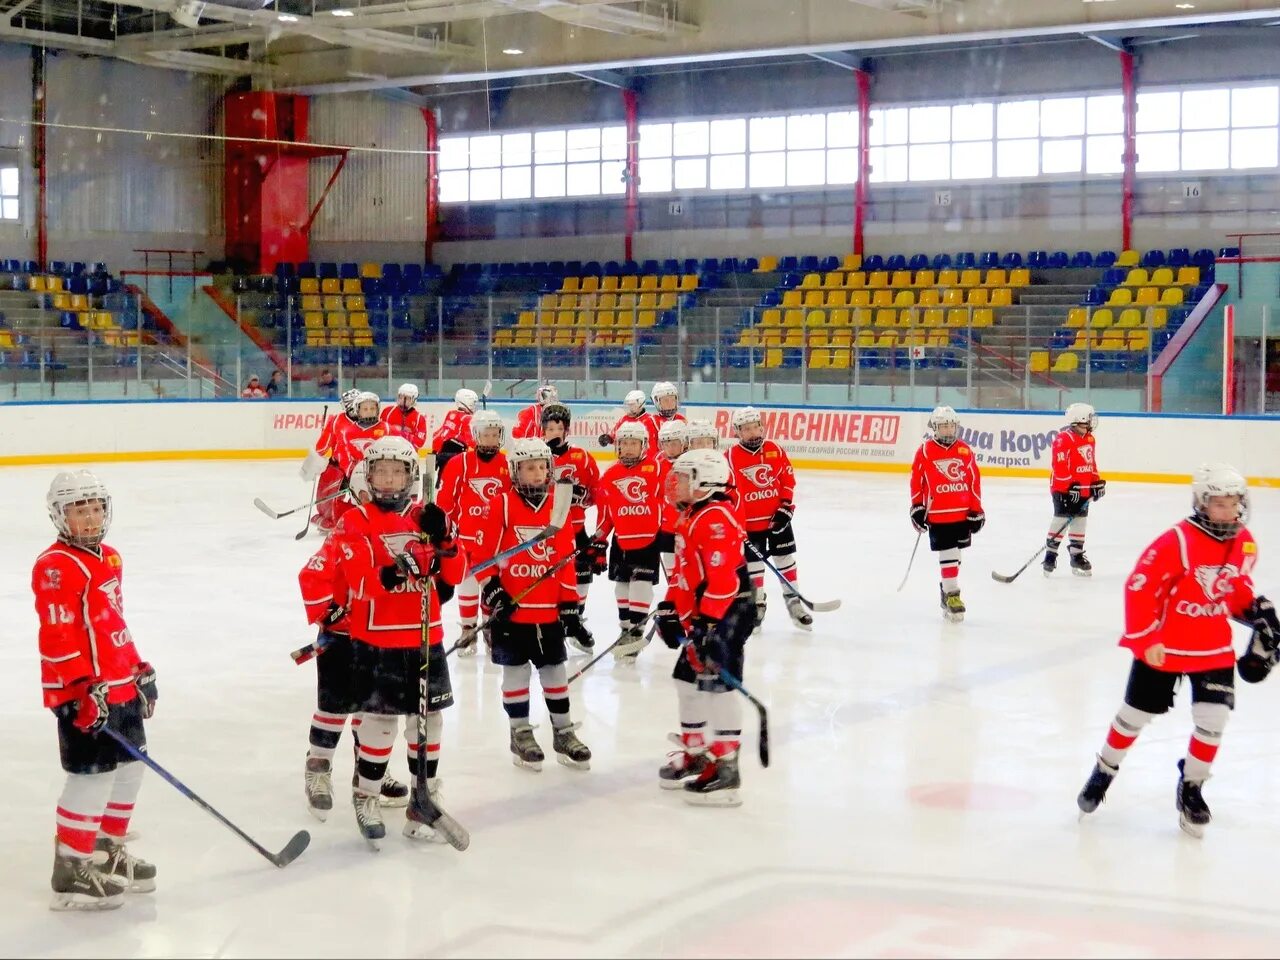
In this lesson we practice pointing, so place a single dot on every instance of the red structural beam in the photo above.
(864, 160)
(1129, 87)
(433, 183)
(631, 106)
(324, 194)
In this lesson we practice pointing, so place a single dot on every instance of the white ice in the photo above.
(921, 800)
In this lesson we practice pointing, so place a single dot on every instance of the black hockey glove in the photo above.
(332, 616)
(669, 626)
(781, 518)
(144, 678)
(1098, 489)
(571, 620)
(977, 520)
(707, 643)
(433, 522)
(495, 599)
(1259, 657)
(581, 495)
(1261, 614)
(597, 554)
(391, 577)
(1073, 495)
(919, 517)
(606, 440)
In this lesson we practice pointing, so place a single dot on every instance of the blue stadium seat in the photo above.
(328, 271)
(1011, 261)
(1179, 257)
(788, 264)
(690, 265)
(749, 265)
(1153, 258)
(30, 266)
(966, 261)
(918, 261)
(827, 264)
(307, 270)
(57, 266)
(1094, 298)
(348, 271)
(1082, 258)
(710, 265)
(941, 261)
(1202, 258)
(895, 262)
(791, 280)
(1105, 258)
(1058, 259)
(670, 266)
(872, 262)
(648, 268)
(989, 258)
(792, 358)
(1038, 259)
(809, 264)
(612, 268)
(1228, 253)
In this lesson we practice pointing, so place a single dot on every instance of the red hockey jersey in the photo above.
(512, 520)
(762, 480)
(331, 434)
(710, 569)
(367, 540)
(630, 504)
(528, 422)
(647, 420)
(83, 635)
(467, 485)
(456, 426)
(946, 480)
(579, 468)
(353, 443)
(1073, 462)
(668, 516)
(322, 585)
(1183, 592)
(410, 424)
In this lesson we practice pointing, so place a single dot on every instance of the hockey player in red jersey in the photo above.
(404, 419)
(946, 500)
(529, 420)
(710, 608)
(321, 461)
(672, 441)
(468, 484)
(666, 403)
(764, 486)
(92, 678)
(1073, 484)
(454, 436)
(633, 406)
(702, 435)
(353, 443)
(1179, 602)
(532, 635)
(386, 551)
(573, 464)
(630, 509)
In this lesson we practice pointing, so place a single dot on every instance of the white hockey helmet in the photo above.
(632, 431)
(633, 403)
(696, 475)
(940, 417)
(365, 419)
(394, 495)
(466, 400)
(665, 391)
(71, 487)
(528, 450)
(702, 435)
(547, 393)
(1082, 413)
(350, 398)
(408, 390)
(1218, 480)
(482, 423)
(672, 431)
(744, 416)
(358, 482)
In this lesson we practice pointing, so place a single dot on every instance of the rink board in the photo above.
(1154, 448)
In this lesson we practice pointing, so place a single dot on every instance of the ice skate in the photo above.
(394, 793)
(1080, 564)
(415, 828)
(952, 606)
(630, 642)
(799, 613)
(1095, 788)
(679, 768)
(525, 751)
(570, 751)
(78, 884)
(761, 605)
(717, 785)
(584, 642)
(1050, 562)
(318, 783)
(132, 874)
(369, 816)
(1193, 812)
(468, 649)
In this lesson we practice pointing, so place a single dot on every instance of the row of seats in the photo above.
(96, 285)
(609, 301)
(566, 337)
(370, 286)
(884, 317)
(353, 271)
(88, 320)
(62, 268)
(339, 337)
(1159, 277)
(1112, 338)
(609, 268)
(596, 318)
(841, 358)
(1070, 362)
(1153, 317)
(947, 277)
(819, 337)
(932, 297)
(1146, 296)
(630, 283)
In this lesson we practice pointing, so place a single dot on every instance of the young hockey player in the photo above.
(353, 443)
(764, 486)
(710, 608)
(1179, 602)
(386, 552)
(471, 480)
(702, 435)
(404, 419)
(633, 406)
(529, 420)
(321, 461)
(574, 464)
(672, 441)
(92, 678)
(666, 402)
(946, 500)
(1073, 484)
(630, 509)
(454, 436)
(531, 635)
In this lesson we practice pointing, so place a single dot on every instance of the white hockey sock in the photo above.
(786, 564)
(640, 596)
(668, 565)
(725, 711)
(555, 690)
(1056, 533)
(949, 565)
(692, 708)
(124, 793)
(1125, 728)
(435, 726)
(468, 600)
(377, 736)
(80, 807)
(1076, 531)
(326, 729)
(1210, 720)
(622, 594)
(515, 693)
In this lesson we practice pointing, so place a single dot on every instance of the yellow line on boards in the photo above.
(141, 456)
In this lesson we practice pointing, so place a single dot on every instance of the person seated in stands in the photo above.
(276, 384)
(253, 390)
(327, 384)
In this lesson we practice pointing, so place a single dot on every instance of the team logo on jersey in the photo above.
(631, 489)
(112, 589)
(1087, 452)
(362, 444)
(1215, 580)
(397, 543)
(761, 474)
(540, 551)
(486, 488)
(568, 473)
(950, 468)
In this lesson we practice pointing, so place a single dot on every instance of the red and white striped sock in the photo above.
(124, 793)
(80, 808)
(1126, 726)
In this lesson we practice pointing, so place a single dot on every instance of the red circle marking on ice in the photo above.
(969, 796)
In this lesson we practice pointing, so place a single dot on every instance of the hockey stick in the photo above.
(291, 850)
(469, 634)
(826, 606)
(609, 649)
(278, 514)
(1001, 578)
(736, 684)
(919, 534)
(315, 486)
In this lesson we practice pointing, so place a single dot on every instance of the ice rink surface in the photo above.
(921, 800)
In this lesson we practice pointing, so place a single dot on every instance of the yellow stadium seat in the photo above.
(351, 285)
(570, 285)
(939, 339)
(866, 338)
(1066, 363)
(814, 298)
(1139, 340)
(570, 301)
(313, 319)
(900, 278)
(861, 317)
(563, 318)
(504, 337)
(767, 265)
(882, 298)
(609, 283)
(855, 279)
(359, 319)
(649, 282)
(648, 301)
(838, 318)
(878, 279)
(624, 337)
(362, 338)
(948, 278)
(646, 318)
(607, 301)
(819, 359)
(371, 271)
(977, 297)
(79, 302)
(53, 284)
(629, 282)
(934, 317)
(625, 318)
(1001, 297)
(589, 284)
(1039, 361)
(586, 318)
(1130, 317)
(886, 318)
(957, 317)
(818, 338)
(563, 337)
(317, 338)
(331, 285)
(1120, 297)
(603, 338)
(771, 337)
(1137, 277)
(527, 318)
(1021, 277)
(841, 337)
(1101, 319)
(953, 297)
(333, 302)
(909, 317)
(852, 261)
(667, 300)
(669, 281)
(6, 339)
(335, 318)
(1172, 296)
(1077, 317)
(61, 301)
(913, 338)
(1147, 296)
(1188, 276)
(888, 339)
(929, 297)
(792, 298)
(354, 303)
(983, 317)
(308, 285)
(833, 279)
(1156, 317)
(524, 336)
(795, 337)
(749, 337)
(772, 359)
(924, 278)
(997, 277)
(840, 358)
(1128, 258)
(904, 298)
(970, 278)
(548, 301)
(689, 281)
(860, 298)
(815, 318)
(604, 318)
(772, 318)
(811, 280)
(105, 318)
(36, 284)
(837, 298)
(339, 338)
(793, 318)
(626, 300)
(1112, 340)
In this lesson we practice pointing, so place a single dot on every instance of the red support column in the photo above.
(433, 181)
(631, 105)
(1130, 157)
(864, 159)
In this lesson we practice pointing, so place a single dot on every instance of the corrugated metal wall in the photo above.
(377, 197)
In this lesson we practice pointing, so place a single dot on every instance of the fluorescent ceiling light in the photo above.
(513, 51)
(286, 18)
(1185, 6)
(342, 13)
